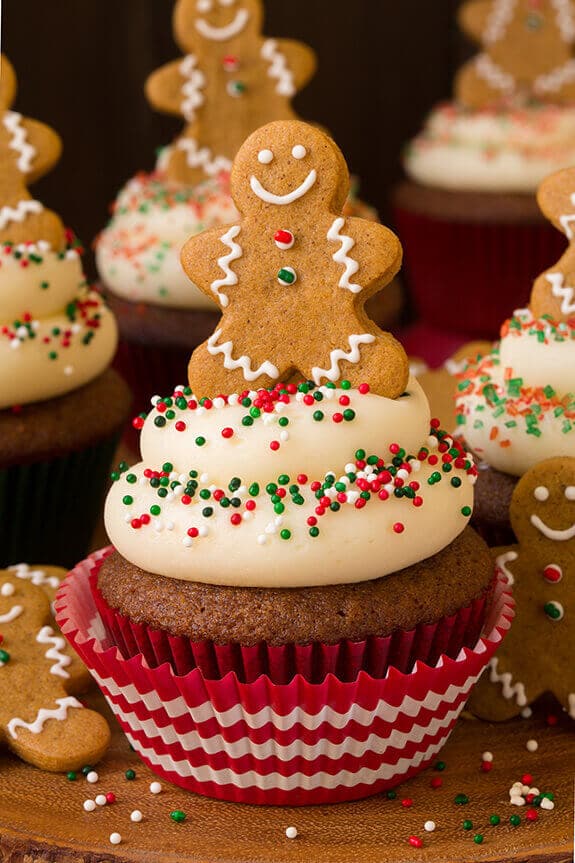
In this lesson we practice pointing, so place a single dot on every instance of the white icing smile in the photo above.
(222, 34)
(551, 533)
(270, 198)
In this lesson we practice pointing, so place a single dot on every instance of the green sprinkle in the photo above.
(455, 481)
(285, 534)
(71, 776)
(283, 422)
(466, 511)
(478, 838)
(349, 415)
(254, 489)
(494, 820)
(207, 511)
(205, 494)
(391, 795)
(345, 385)
(515, 820)
(271, 488)
(314, 531)
(200, 441)
(283, 479)
(178, 816)
(128, 500)
(155, 509)
(467, 824)
(130, 774)
(461, 799)
(247, 421)
(160, 422)
(234, 483)
(131, 478)
(360, 454)
(318, 416)
(439, 765)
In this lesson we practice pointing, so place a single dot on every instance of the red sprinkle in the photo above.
(398, 527)
(110, 797)
(138, 423)
(337, 418)
(250, 504)
(527, 779)
(180, 426)
(407, 802)
(302, 478)
(193, 532)
(227, 432)
(275, 445)
(436, 782)
(486, 766)
(236, 518)
(531, 815)
(363, 388)
(415, 842)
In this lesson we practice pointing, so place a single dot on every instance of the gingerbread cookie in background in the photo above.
(231, 81)
(61, 408)
(28, 150)
(293, 254)
(474, 169)
(40, 719)
(537, 656)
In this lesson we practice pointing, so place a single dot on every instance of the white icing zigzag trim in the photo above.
(498, 21)
(224, 264)
(352, 356)
(13, 124)
(203, 158)
(19, 213)
(515, 691)
(47, 636)
(59, 713)
(567, 219)
(191, 90)
(36, 576)
(563, 292)
(244, 362)
(501, 564)
(495, 76)
(565, 21)
(342, 255)
(555, 79)
(279, 68)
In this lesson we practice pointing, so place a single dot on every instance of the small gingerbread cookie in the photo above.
(537, 654)
(526, 55)
(28, 150)
(292, 277)
(231, 81)
(40, 719)
(554, 291)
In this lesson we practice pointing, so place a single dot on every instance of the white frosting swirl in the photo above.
(138, 254)
(264, 537)
(489, 150)
(516, 406)
(55, 334)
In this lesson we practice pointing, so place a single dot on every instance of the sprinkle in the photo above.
(178, 816)
(461, 799)
(547, 804)
(130, 774)
(415, 842)
(71, 775)
(478, 838)
(110, 797)
(436, 782)
(101, 799)
(494, 820)
(115, 838)
(291, 832)
(514, 820)
(531, 815)
(155, 787)
(468, 825)
(92, 777)
(407, 802)
(136, 816)
(487, 756)
(429, 826)
(89, 805)
(439, 765)
(532, 746)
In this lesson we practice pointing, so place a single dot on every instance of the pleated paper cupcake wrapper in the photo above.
(426, 643)
(469, 277)
(264, 743)
(49, 509)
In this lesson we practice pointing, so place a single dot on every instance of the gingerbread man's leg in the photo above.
(62, 735)
(40, 225)
(505, 687)
(475, 83)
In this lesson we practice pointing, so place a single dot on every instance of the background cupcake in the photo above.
(516, 405)
(467, 215)
(61, 412)
(331, 516)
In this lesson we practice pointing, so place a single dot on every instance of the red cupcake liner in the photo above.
(470, 277)
(346, 659)
(263, 743)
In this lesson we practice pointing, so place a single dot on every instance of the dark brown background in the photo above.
(82, 64)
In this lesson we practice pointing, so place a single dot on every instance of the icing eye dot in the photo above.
(541, 493)
(570, 492)
(299, 152)
(265, 157)
(7, 589)
(204, 5)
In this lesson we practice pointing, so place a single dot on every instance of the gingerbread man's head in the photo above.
(198, 22)
(275, 173)
(543, 511)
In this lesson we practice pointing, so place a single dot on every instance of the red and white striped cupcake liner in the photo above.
(294, 744)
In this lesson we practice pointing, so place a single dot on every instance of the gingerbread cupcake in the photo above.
(516, 405)
(473, 171)
(61, 408)
(283, 549)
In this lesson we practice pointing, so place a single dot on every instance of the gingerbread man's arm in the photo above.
(473, 17)
(208, 260)
(48, 147)
(164, 89)
(301, 60)
(375, 248)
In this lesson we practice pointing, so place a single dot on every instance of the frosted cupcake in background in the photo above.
(467, 215)
(61, 407)
(292, 560)
(516, 405)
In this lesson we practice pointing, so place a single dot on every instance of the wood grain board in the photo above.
(42, 819)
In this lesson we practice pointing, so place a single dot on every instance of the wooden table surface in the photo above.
(42, 818)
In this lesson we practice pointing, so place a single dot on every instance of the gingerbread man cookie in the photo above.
(554, 291)
(40, 719)
(28, 150)
(231, 81)
(537, 655)
(293, 276)
(527, 52)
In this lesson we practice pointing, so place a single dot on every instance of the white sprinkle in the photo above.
(279, 520)
(22, 332)
(7, 589)
(175, 475)
(487, 756)
(247, 516)
(158, 526)
(219, 403)
(429, 826)
(15, 343)
(204, 477)
(203, 530)
(127, 518)
(68, 370)
(155, 399)
(291, 832)
(271, 529)
(170, 525)
(101, 799)
(547, 804)
(233, 400)
(187, 542)
(89, 805)
(526, 713)
(532, 746)
(534, 791)
(517, 800)
(143, 480)
(284, 435)
(262, 539)
(199, 411)
(115, 838)
(155, 787)
(92, 777)
(349, 468)
(136, 815)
